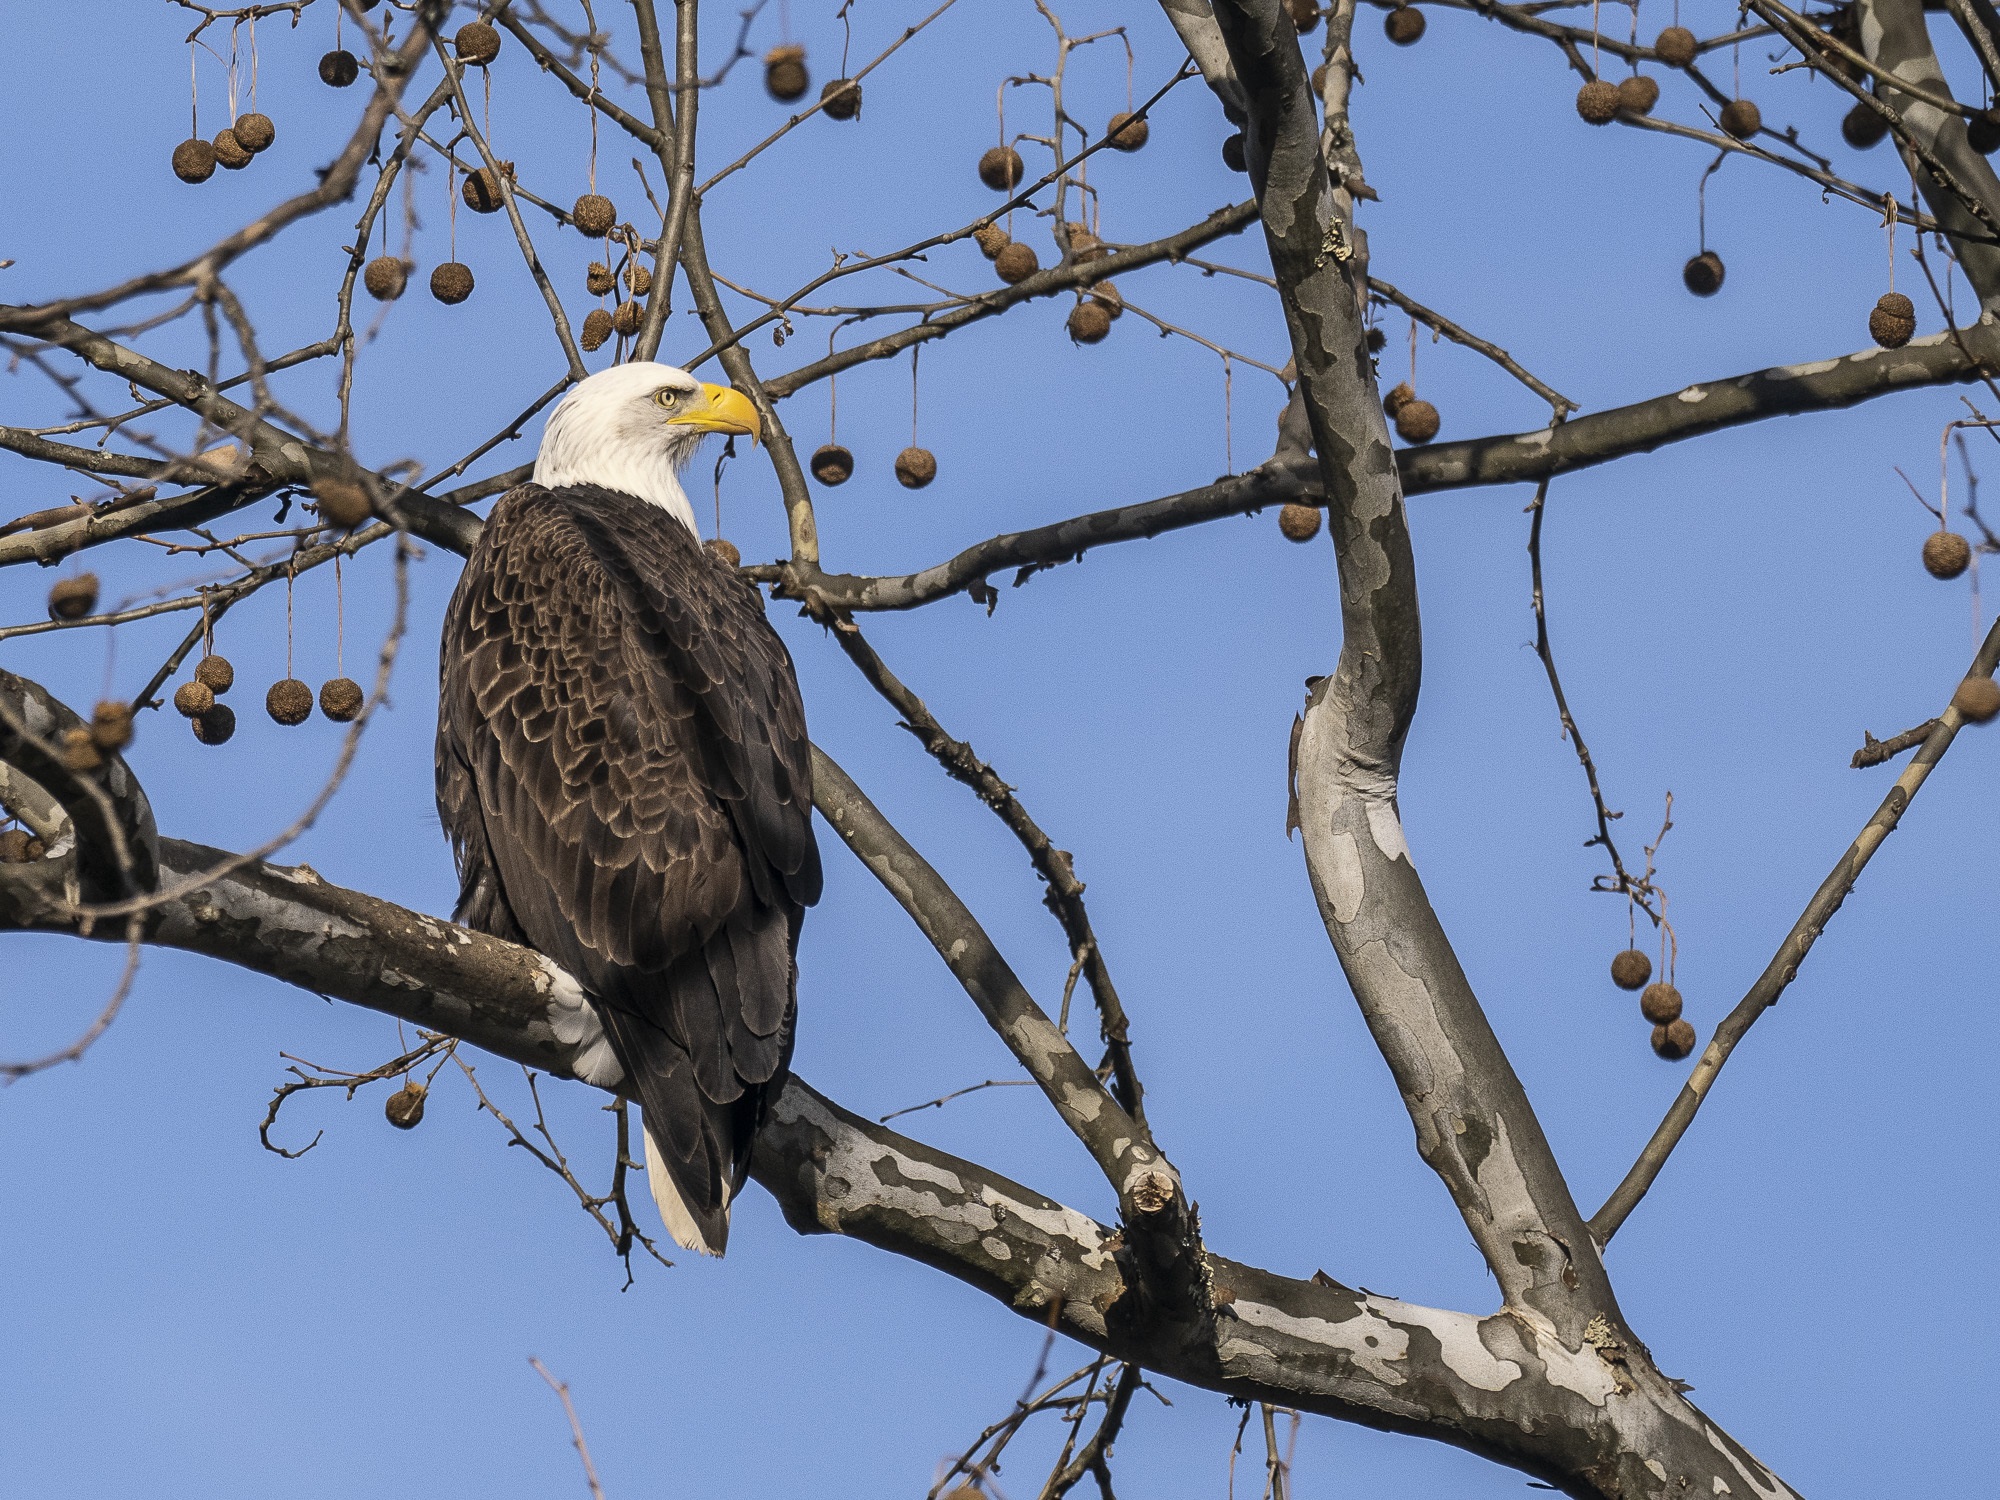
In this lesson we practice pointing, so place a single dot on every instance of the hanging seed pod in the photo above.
(217, 726)
(1661, 1004)
(832, 464)
(340, 699)
(1107, 296)
(1305, 15)
(1742, 119)
(785, 76)
(1946, 554)
(255, 132)
(1088, 323)
(1631, 969)
(638, 278)
(1233, 153)
(289, 701)
(385, 278)
(230, 154)
(1982, 132)
(598, 279)
(1675, 46)
(338, 69)
(1318, 82)
(626, 320)
(1404, 25)
(991, 239)
(80, 752)
(1400, 395)
(193, 699)
(215, 673)
(1001, 168)
(405, 1107)
(341, 503)
(482, 192)
(1638, 94)
(1893, 320)
(1084, 247)
(1703, 274)
(596, 329)
(1126, 132)
(1597, 102)
(915, 468)
(1416, 421)
(194, 161)
(840, 99)
(1673, 1041)
(14, 846)
(723, 551)
(1977, 699)
(594, 215)
(73, 598)
(1861, 127)
(111, 726)
(451, 283)
(1376, 340)
(1298, 523)
(476, 44)
(1016, 262)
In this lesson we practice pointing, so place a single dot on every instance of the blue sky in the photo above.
(193, 1315)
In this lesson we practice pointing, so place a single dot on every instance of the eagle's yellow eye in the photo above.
(667, 398)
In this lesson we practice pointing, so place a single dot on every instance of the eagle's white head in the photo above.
(633, 427)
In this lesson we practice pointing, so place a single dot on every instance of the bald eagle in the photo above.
(623, 771)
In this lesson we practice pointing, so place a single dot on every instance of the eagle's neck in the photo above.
(571, 453)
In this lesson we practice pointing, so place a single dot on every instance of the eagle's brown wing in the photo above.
(624, 772)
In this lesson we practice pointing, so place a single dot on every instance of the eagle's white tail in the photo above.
(673, 1210)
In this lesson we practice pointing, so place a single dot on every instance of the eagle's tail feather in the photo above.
(674, 1213)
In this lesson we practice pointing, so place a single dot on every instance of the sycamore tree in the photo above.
(197, 472)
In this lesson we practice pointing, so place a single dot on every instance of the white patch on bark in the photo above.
(1817, 367)
(996, 1248)
(1340, 873)
(1693, 394)
(1774, 1488)
(1371, 1343)
(1083, 1102)
(1387, 829)
(1464, 1353)
(1657, 1469)
(1536, 439)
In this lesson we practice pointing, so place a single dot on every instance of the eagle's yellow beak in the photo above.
(725, 409)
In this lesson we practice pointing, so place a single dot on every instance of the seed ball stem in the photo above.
(217, 726)
(723, 551)
(832, 464)
(73, 598)
(1675, 46)
(1298, 523)
(1016, 262)
(1742, 119)
(1416, 421)
(1703, 274)
(1404, 25)
(1001, 168)
(1638, 93)
(215, 673)
(1861, 127)
(385, 278)
(594, 215)
(785, 76)
(1597, 102)
(254, 132)
(1946, 554)
(482, 192)
(1661, 1004)
(289, 701)
(451, 283)
(1893, 321)
(915, 468)
(840, 99)
(1127, 132)
(1673, 1041)
(193, 699)
(596, 329)
(1977, 699)
(230, 153)
(476, 44)
(1631, 969)
(194, 160)
(340, 699)
(1233, 154)
(338, 69)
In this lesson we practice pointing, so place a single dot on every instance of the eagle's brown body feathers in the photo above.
(623, 768)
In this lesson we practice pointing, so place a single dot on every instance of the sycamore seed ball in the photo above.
(915, 468)
(111, 725)
(1638, 94)
(1305, 15)
(193, 699)
(1703, 274)
(1946, 554)
(1016, 262)
(476, 44)
(785, 76)
(638, 278)
(1107, 296)
(594, 215)
(1233, 153)
(194, 160)
(289, 701)
(451, 283)
(1631, 969)
(596, 330)
(341, 502)
(1376, 341)
(723, 551)
(1675, 46)
(1399, 395)
(840, 99)
(79, 751)
(1404, 25)
(1298, 523)
(217, 726)
(1893, 320)
(1126, 132)
(1977, 699)
(338, 69)
(1862, 127)
(598, 279)
(255, 132)
(405, 1107)
(14, 846)
(1673, 1041)
(832, 464)
(626, 320)
(1742, 119)
(340, 699)
(385, 278)
(73, 598)
(1089, 322)
(1417, 421)
(482, 192)
(1661, 1004)
(1982, 132)
(991, 239)
(1597, 102)
(215, 673)
(1001, 168)
(230, 153)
